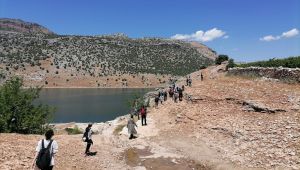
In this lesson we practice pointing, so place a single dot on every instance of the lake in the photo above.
(88, 105)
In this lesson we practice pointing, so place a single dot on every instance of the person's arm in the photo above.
(55, 148)
(38, 148)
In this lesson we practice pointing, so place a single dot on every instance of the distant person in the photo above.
(87, 136)
(171, 92)
(161, 97)
(165, 95)
(131, 127)
(176, 95)
(182, 87)
(187, 81)
(190, 82)
(156, 100)
(45, 152)
(180, 94)
(201, 77)
(144, 115)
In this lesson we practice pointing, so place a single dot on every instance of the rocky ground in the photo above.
(223, 123)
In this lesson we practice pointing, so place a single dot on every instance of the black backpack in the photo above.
(44, 157)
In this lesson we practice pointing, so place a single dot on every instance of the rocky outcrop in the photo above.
(17, 25)
(281, 73)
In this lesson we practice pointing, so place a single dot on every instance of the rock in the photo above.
(259, 107)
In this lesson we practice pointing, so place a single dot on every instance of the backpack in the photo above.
(143, 111)
(43, 160)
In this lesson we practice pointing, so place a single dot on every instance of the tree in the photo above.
(230, 64)
(17, 111)
(221, 58)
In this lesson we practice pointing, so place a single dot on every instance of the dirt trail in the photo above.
(215, 129)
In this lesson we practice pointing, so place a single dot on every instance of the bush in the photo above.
(17, 111)
(74, 131)
(291, 62)
(221, 58)
(231, 64)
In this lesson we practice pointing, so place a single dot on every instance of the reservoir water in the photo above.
(88, 105)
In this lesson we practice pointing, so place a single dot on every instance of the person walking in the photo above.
(88, 138)
(161, 97)
(144, 115)
(180, 94)
(190, 82)
(165, 95)
(45, 152)
(201, 77)
(187, 81)
(131, 127)
(156, 100)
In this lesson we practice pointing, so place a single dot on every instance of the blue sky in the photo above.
(246, 30)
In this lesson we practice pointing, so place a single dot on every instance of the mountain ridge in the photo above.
(68, 56)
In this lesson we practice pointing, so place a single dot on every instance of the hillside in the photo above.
(50, 56)
(17, 25)
(228, 123)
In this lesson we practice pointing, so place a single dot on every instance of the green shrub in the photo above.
(291, 62)
(17, 111)
(221, 58)
(231, 64)
(74, 131)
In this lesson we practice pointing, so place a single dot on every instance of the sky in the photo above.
(246, 30)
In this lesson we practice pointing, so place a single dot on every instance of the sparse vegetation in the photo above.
(291, 62)
(102, 55)
(73, 131)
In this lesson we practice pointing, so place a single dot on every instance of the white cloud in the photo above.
(288, 34)
(201, 36)
(269, 38)
(226, 37)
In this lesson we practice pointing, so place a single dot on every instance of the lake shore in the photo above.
(210, 129)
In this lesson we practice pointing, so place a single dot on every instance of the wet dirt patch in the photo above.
(135, 157)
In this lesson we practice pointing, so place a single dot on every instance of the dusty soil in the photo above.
(211, 128)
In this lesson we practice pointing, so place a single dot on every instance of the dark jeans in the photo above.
(88, 145)
(144, 119)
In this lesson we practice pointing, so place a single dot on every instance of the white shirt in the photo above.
(53, 148)
(90, 134)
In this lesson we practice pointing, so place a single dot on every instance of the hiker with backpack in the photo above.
(144, 115)
(131, 127)
(87, 137)
(45, 151)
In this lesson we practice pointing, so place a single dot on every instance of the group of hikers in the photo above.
(174, 92)
(47, 148)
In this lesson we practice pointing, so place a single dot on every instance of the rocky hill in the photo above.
(52, 55)
(17, 25)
